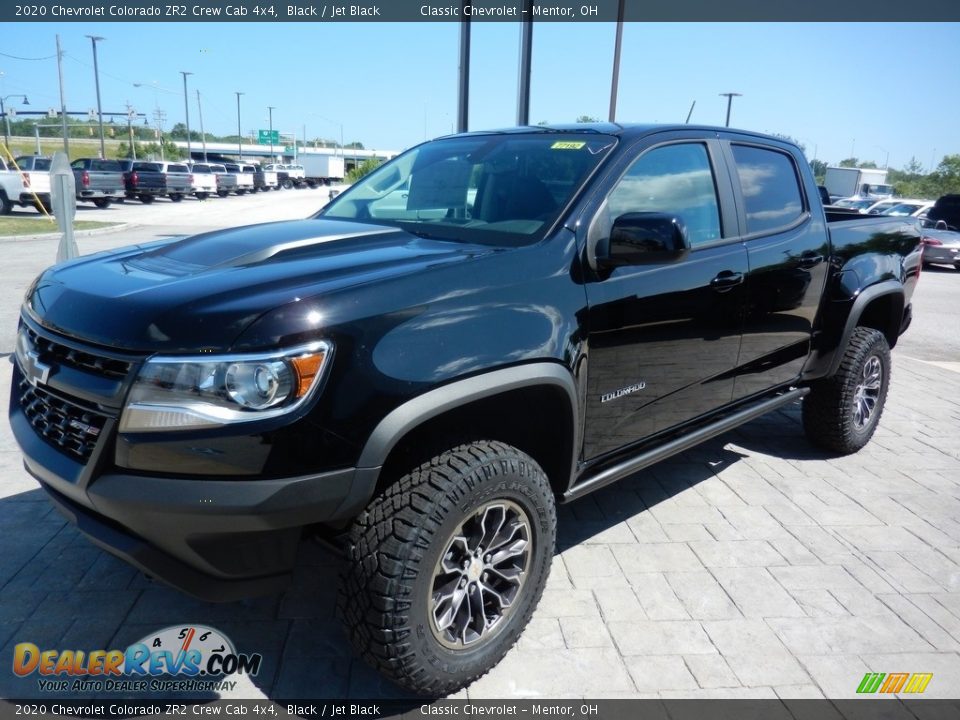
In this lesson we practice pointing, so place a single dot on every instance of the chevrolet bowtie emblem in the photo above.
(36, 371)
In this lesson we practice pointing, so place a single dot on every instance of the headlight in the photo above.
(185, 393)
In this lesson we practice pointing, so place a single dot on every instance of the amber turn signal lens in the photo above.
(306, 367)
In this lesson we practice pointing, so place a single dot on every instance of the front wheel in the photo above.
(447, 566)
(6, 206)
(841, 413)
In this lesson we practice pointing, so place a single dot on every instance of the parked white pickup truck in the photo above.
(26, 183)
(244, 180)
(203, 181)
(11, 185)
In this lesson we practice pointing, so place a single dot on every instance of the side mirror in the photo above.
(643, 239)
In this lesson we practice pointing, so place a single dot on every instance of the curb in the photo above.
(76, 233)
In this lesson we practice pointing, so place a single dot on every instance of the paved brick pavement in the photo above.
(752, 566)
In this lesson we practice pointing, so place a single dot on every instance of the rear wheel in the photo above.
(102, 202)
(146, 199)
(176, 197)
(448, 564)
(222, 193)
(841, 413)
(202, 195)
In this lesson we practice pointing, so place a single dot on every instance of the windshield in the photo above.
(505, 189)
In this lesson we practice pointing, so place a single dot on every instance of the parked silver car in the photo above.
(941, 247)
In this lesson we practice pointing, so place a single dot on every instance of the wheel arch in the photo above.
(879, 307)
(532, 407)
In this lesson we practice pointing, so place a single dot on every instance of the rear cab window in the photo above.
(770, 186)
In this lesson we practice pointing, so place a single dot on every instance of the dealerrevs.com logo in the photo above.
(177, 658)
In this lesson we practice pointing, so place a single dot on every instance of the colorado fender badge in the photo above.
(616, 394)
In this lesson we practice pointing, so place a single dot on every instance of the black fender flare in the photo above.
(863, 299)
(408, 416)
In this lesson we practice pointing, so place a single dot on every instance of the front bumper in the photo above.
(236, 552)
(217, 538)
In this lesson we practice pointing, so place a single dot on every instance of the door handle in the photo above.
(726, 281)
(809, 260)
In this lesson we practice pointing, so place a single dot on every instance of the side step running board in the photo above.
(628, 467)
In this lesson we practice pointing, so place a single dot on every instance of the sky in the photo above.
(875, 91)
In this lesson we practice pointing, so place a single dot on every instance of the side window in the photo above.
(674, 179)
(771, 190)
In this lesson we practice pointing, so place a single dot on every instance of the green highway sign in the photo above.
(265, 137)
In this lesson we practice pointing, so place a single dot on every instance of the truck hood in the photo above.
(202, 292)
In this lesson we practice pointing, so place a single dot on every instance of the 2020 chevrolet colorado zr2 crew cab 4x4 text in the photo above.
(539, 312)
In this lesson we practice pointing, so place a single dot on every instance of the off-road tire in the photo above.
(828, 412)
(395, 546)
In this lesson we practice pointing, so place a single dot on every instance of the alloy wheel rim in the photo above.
(480, 575)
(867, 393)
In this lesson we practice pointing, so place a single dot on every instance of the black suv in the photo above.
(947, 211)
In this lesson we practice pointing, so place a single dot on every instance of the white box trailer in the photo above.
(844, 182)
(321, 169)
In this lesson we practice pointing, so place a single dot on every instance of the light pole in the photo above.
(186, 112)
(270, 108)
(96, 80)
(203, 135)
(158, 114)
(886, 163)
(332, 122)
(615, 79)
(6, 119)
(730, 96)
(130, 115)
(239, 132)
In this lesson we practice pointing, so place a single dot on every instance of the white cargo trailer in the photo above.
(321, 169)
(844, 182)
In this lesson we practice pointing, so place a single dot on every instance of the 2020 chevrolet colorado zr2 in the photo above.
(540, 312)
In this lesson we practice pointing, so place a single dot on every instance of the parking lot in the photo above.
(752, 566)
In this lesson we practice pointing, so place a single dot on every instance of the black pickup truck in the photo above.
(147, 180)
(485, 326)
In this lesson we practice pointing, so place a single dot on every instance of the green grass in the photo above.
(36, 226)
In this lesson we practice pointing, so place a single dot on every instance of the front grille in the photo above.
(53, 353)
(67, 426)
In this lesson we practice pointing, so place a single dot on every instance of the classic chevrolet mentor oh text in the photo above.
(487, 325)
